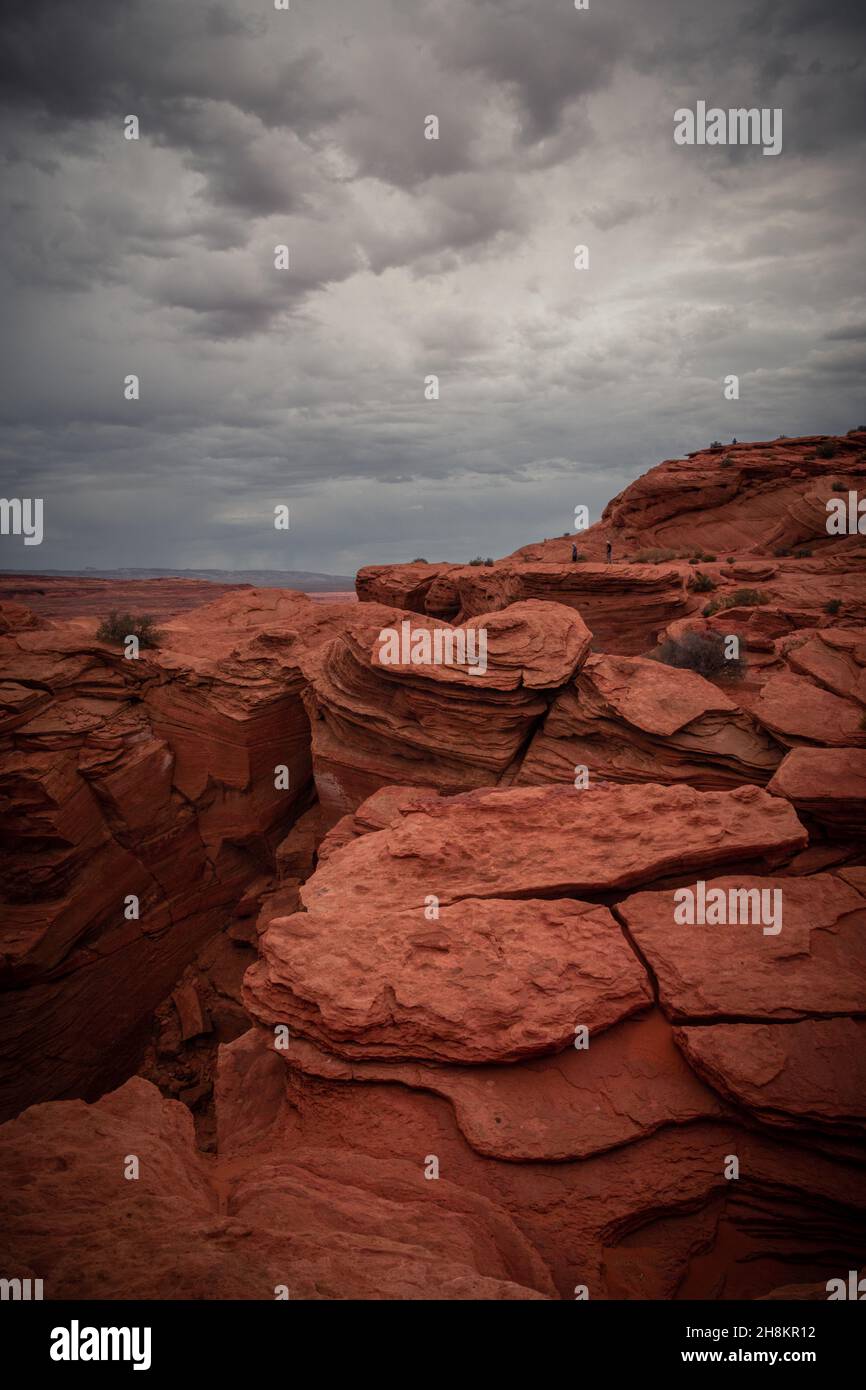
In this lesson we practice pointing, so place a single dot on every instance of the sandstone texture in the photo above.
(828, 783)
(408, 1007)
(627, 719)
(814, 967)
(149, 779)
(444, 726)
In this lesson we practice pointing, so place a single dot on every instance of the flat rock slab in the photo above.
(554, 842)
(630, 719)
(797, 711)
(491, 981)
(836, 660)
(809, 1074)
(814, 967)
(628, 1083)
(512, 964)
(827, 783)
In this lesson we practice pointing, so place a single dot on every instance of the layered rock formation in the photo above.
(628, 719)
(742, 514)
(313, 1225)
(138, 799)
(437, 1024)
(446, 726)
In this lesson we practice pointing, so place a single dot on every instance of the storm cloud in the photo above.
(409, 257)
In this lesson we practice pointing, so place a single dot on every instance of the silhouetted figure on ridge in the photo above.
(573, 551)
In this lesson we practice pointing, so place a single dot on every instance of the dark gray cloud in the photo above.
(409, 257)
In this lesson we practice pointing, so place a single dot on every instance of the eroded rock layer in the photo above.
(138, 798)
(447, 726)
(467, 1025)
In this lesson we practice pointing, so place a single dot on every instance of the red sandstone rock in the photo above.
(626, 1084)
(374, 724)
(489, 981)
(642, 1220)
(318, 1223)
(795, 710)
(364, 970)
(800, 1075)
(744, 500)
(556, 842)
(835, 659)
(827, 783)
(151, 778)
(741, 503)
(623, 605)
(628, 719)
(409, 586)
(603, 1167)
(814, 967)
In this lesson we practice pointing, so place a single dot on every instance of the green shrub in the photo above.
(488, 561)
(420, 561)
(781, 551)
(803, 553)
(701, 583)
(726, 461)
(740, 598)
(746, 598)
(827, 450)
(703, 652)
(118, 626)
(477, 561)
(832, 606)
(836, 486)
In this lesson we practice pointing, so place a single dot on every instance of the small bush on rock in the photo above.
(118, 626)
(703, 652)
(701, 583)
(740, 598)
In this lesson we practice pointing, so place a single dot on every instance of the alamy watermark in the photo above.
(22, 516)
(717, 907)
(855, 1288)
(736, 126)
(443, 646)
(846, 517)
(77, 1343)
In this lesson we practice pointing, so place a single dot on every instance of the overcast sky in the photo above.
(409, 257)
